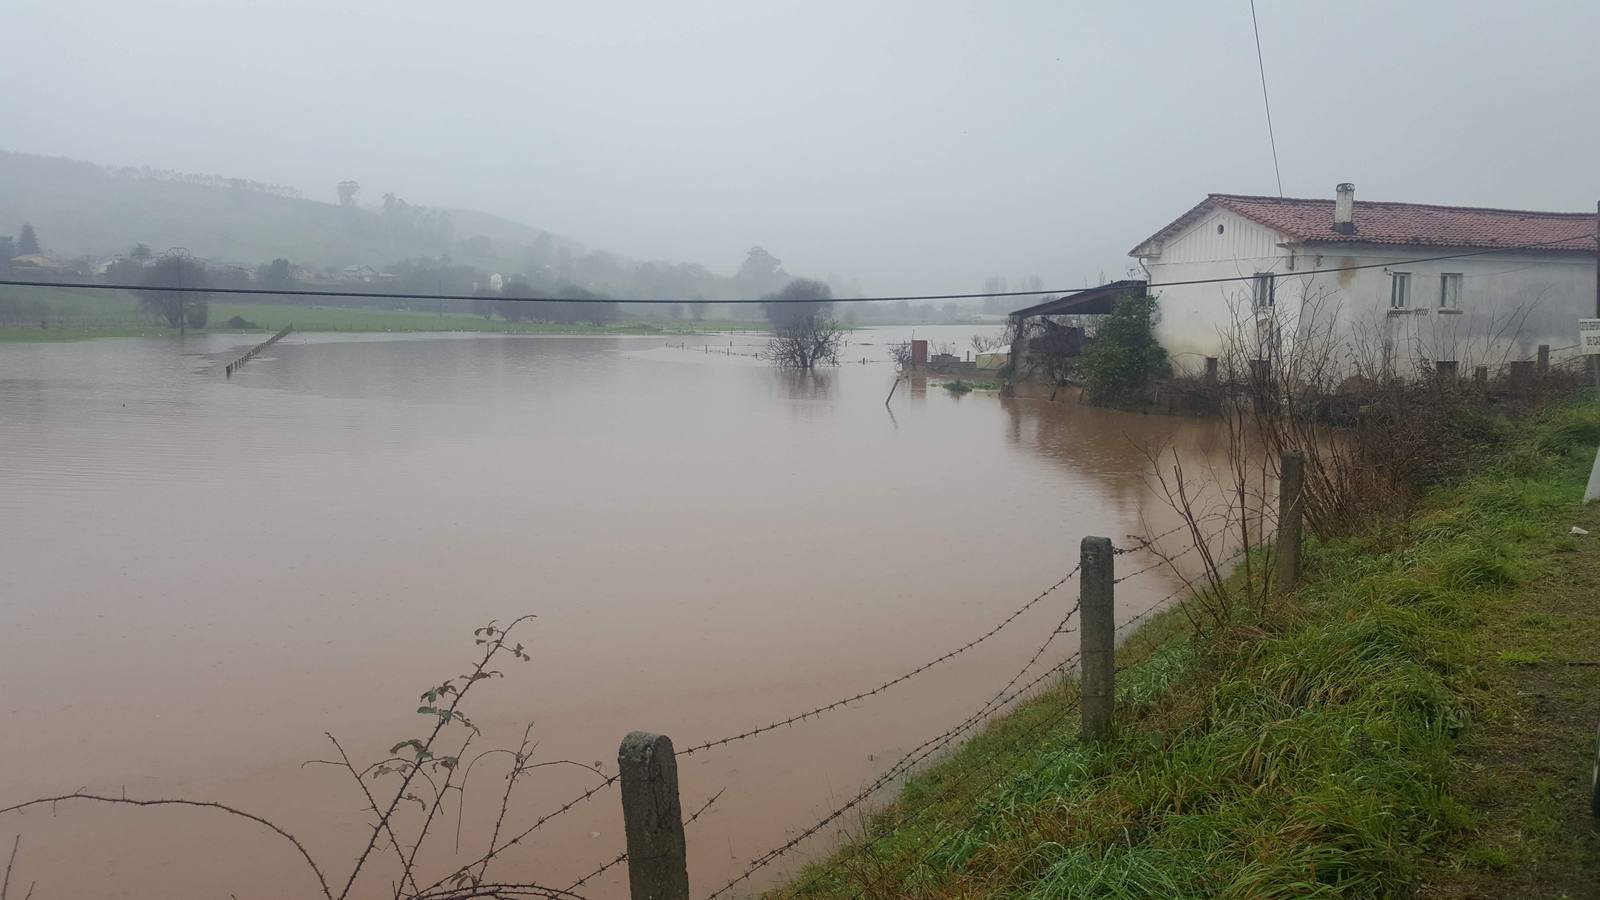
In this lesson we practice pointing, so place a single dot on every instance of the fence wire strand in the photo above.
(622, 857)
(1142, 543)
(539, 823)
(909, 760)
(887, 684)
(1163, 561)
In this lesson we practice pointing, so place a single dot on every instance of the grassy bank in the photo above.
(81, 315)
(1405, 724)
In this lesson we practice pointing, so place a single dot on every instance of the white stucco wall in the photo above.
(1510, 302)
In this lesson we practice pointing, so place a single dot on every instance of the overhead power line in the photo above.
(1262, 65)
(1062, 292)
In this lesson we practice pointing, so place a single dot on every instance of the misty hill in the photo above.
(81, 208)
(84, 211)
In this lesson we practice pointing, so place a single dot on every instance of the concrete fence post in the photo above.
(1097, 636)
(1480, 375)
(1291, 489)
(652, 818)
(1446, 369)
(1211, 370)
(1544, 359)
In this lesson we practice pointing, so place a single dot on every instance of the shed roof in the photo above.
(1095, 301)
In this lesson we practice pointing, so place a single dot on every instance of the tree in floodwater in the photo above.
(179, 309)
(804, 335)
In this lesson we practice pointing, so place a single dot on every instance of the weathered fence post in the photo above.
(1446, 369)
(1544, 359)
(1521, 376)
(652, 818)
(1211, 370)
(1098, 619)
(1480, 375)
(1291, 488)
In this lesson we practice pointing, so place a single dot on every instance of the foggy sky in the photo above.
(911, 145)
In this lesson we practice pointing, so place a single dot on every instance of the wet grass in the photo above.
(966, 387)
(1404, 724)
(81, 315)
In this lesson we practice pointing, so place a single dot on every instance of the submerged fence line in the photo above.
(251, 353)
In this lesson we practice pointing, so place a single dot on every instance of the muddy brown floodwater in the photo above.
(199, 577)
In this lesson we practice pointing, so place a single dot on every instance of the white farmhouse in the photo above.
(1518, 279)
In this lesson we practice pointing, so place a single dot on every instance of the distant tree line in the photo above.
(550, 267)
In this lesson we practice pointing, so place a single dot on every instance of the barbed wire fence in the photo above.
(655, 848)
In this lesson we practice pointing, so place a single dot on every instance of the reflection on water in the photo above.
(805, 386)
(204, 575)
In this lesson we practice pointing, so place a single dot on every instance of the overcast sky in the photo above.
(912, 145)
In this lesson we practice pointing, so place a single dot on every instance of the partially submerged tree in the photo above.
(804, 336)
(178, 308)
(806, 343)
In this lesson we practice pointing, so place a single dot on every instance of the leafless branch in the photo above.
(201, 804)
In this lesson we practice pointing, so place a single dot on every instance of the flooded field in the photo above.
(199, 577)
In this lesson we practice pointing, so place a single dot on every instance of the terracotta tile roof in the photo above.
(1410, 224)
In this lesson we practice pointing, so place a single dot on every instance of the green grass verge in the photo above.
(1349, 741)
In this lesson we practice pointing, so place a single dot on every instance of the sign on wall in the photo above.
(1589, 336)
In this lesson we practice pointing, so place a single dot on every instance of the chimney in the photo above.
(1344, 209)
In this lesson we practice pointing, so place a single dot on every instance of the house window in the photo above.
(1264, 290)
(1399, 290)
(1450, 290)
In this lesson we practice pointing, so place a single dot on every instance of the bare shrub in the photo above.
(901, 354)
(420, 772)
(805, 342)
(986, 344)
